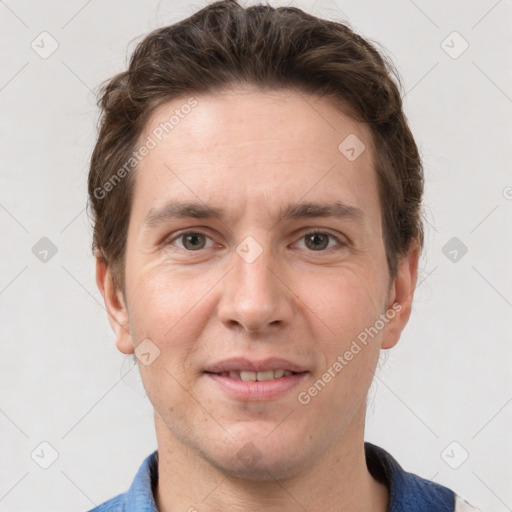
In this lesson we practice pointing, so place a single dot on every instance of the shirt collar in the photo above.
(407, 491)
(139, 497)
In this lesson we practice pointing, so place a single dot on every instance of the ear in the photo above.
(116, 307)
(400, 296)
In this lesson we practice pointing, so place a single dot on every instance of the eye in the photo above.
(315, 240)
(191, 240)
(318, 240)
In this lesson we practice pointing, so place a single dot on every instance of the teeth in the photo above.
(247, 376)
(278, 374)
(268, 375)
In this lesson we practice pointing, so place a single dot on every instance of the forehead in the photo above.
(230, 121)
(235, 147)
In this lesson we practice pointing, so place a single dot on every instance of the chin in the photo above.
(257, 458)
(267, 468)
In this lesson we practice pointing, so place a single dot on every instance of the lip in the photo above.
(255, 390)
(251, 365)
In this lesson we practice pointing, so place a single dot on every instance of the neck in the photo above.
(339, 480)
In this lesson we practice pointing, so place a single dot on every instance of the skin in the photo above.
(253, 152)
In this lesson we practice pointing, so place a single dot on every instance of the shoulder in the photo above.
(139, 497)
(115, 504)
(407, 491)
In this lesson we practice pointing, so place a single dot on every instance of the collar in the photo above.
(407, 491)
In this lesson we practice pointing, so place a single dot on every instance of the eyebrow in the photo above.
(187, 209)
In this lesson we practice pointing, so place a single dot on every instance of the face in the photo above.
(277, 263)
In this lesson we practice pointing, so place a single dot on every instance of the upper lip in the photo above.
(252, 365)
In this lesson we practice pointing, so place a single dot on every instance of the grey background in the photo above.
(62, 380)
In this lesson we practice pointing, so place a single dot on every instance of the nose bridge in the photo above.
(253, 296)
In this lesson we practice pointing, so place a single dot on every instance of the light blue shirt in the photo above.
(408, 492)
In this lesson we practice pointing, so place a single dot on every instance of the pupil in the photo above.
(313, 238)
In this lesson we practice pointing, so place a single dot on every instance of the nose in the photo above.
(255, 294)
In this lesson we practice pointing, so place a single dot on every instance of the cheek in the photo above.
(162, 310)
(351, 348)
(163, 303)
(344, 308)
(170, 307)
(344, 304)
(349, 354)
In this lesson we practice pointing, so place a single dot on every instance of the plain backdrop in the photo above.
(444, 393)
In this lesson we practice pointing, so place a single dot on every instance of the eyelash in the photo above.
(313, 231)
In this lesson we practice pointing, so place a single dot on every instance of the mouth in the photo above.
(263, 376)
(245, 380)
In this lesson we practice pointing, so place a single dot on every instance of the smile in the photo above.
(248, 376)
(246, 386)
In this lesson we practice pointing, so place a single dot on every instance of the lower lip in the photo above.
(255, 390)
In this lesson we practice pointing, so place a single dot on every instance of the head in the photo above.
(256, 193)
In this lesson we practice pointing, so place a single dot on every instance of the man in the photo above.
(256, 194)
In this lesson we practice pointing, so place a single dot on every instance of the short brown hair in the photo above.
(225, 44)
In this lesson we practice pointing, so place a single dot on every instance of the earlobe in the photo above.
(401, 296)
(115, 306)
